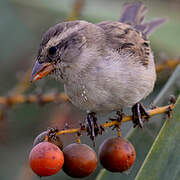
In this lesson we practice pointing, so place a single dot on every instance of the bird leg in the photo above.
(92, 126)
(138, 112)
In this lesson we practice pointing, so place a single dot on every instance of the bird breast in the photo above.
(111, 83)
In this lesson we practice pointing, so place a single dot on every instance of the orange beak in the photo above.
(41, 70)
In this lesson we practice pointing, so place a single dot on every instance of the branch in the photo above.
(46, 98)
(153, 112)
(76, 10)
(168, 64)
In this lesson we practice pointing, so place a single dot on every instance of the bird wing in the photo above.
(123, 38)
(133, 14)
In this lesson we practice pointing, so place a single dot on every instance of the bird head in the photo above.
(60, 46)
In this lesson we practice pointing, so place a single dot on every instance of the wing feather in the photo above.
(123, 38)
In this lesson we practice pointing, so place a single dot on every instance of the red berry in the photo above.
(46, 159)
(79, 160)
(117, 154)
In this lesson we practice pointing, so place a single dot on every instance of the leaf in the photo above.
(143, 139)
(163, 160)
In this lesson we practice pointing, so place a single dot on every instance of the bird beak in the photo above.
(41, 70)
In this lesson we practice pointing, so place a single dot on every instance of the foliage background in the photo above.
(22, 24)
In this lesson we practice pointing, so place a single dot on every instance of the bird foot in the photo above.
(52, 133)
(138, 111)
(92, 127)
(119, 116)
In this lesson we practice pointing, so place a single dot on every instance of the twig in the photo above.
(46, 98)
(76, 10)
(23, 84)
(168, 64)
(156, 111)
(20, 88)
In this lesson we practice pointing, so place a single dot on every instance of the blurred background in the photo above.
(22, 24)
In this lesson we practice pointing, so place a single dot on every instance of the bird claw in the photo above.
(139, 111)
(118, 117)
(52, 133)
(92, 127)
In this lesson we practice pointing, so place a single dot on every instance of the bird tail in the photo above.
(133, 14)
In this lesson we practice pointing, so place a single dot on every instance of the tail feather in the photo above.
(133, 14)
(152, 25)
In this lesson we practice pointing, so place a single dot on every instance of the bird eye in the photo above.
(52, 51)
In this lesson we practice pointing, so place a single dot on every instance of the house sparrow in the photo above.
(105, 66)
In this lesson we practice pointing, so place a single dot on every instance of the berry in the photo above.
(41, 138)
(46, 159)
(79, 160)
(117, 154)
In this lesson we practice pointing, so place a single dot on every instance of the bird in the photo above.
(104, 67)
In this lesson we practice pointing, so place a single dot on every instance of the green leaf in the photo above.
(163, 160)
(143, 139)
